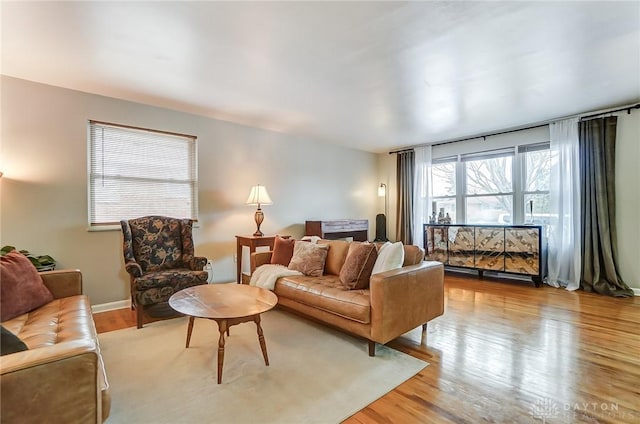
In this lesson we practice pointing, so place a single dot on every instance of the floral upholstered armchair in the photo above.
(159, 257)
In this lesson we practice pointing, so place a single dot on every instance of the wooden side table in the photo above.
(251, 242)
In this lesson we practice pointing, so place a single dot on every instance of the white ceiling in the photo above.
(370, 75)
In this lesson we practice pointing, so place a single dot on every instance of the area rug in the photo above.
(316, 374)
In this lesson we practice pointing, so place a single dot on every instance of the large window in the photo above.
(495, 187)
(136, 172)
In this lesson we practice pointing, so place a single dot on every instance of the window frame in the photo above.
(92, 175)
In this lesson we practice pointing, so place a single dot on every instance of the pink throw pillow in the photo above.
(21, 288)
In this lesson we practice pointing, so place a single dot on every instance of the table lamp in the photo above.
(259, 196)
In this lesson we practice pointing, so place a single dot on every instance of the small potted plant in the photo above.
(42, 263)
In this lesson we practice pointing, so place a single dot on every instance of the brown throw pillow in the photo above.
(356, 271)
(282, 251)
(21, 288)
(309, 258)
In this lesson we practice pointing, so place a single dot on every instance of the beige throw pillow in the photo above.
(356, 271)
(309, 258)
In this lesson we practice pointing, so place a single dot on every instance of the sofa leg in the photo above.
(372, 348)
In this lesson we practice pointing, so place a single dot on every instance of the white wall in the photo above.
(627, 182)
(44, 188)
(628, 196)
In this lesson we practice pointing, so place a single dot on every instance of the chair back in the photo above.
(158, 243)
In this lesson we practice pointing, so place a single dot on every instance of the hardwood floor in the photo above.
(508, 352)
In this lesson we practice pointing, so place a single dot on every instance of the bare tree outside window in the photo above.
(493, 182)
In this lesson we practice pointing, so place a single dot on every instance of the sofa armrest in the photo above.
(405, 298)
(36, 384)
(260, 258)
(63, 283)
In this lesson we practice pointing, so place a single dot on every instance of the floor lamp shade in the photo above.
(259, 196)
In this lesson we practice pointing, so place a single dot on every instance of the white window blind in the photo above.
(135, 172)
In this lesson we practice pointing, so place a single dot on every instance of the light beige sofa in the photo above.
(395, 302)
(61, 378)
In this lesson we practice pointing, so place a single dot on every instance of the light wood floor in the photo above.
(508, 352)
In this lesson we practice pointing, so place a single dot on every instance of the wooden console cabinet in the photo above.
(340, 228)
(514, 249)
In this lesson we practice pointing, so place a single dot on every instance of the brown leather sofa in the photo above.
(395, 302)
(61, 377)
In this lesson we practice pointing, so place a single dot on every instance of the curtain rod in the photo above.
(628, 108)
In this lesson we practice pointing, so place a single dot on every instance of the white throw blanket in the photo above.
(265, 276)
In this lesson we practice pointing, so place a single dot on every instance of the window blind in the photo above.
(136, 172)
(491, 154)
(533, 147)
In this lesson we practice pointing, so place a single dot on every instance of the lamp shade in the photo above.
(382, 190)
(259, 196)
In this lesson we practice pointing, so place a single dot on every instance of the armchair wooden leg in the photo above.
(372, 348)
(139, 316)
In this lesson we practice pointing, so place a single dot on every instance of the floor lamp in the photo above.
(381, 219)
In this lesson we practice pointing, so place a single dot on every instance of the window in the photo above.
(488, 179)
(135, 172)
(494, 187)
(443, 177)
(536, 161)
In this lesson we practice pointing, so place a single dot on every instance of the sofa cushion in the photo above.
(21, 288)
(10, 343)
(309, 258)
(61, 320)
(282, 251)
(356, 271)
(328, 294)
(338, 250)
(390, 256)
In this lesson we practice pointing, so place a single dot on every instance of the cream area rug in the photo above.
(316, 374)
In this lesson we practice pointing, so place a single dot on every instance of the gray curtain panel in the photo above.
(405, 170)
(597, 140)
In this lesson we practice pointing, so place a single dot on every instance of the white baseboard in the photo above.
(111, 306)
(636, 291)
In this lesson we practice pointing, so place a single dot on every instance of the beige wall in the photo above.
(627, 184)
(44, 189)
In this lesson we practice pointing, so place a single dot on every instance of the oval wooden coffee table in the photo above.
(226, 304)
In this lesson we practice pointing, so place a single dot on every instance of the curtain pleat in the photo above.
(599, 274)
(564, 252)
(421, 192)
(405, 173)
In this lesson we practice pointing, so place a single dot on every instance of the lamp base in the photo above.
(259, 217)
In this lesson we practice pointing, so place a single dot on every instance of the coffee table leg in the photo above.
(263, 345)
(189, 330)
(222, 327)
